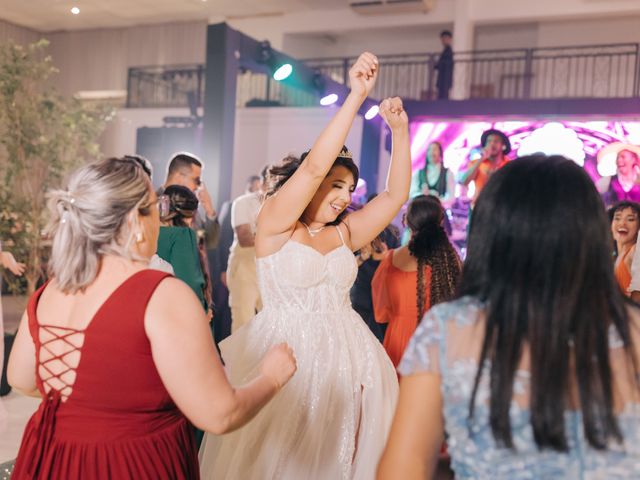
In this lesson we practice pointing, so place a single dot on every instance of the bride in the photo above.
(331, 420)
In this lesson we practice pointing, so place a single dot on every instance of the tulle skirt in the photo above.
(329, 422)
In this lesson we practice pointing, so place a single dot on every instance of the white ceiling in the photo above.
(53, 15)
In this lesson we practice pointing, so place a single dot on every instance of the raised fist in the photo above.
(363, 74)
(393, 113)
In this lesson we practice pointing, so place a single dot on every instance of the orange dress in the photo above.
(622, 273)
(395, 302)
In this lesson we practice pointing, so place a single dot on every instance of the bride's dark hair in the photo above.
(283, 171)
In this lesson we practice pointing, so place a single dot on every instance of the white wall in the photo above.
(589, 32)
(262, 136)
(510, 24)
(497, 37)
(342, 21)
(393, 40)
(119, 138)
(19, 35)
(266, 135)
(100, 59)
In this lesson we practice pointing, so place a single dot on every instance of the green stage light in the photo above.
(283, 72)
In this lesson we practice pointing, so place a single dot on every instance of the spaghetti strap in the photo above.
(340, 233)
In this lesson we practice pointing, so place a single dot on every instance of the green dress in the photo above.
(179, 247)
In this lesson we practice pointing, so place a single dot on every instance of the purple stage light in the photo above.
(329, 99)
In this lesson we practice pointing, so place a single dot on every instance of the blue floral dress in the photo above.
(448, 342)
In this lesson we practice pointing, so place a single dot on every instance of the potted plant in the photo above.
(43, 135)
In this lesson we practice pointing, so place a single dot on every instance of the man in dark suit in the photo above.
(444, 66)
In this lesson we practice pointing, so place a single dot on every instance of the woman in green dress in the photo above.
(178, 242)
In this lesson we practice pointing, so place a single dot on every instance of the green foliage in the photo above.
(42, 137)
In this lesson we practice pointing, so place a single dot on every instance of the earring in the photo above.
(139, 237)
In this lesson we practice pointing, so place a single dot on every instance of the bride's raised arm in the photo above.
(281, 211)
(366, 223)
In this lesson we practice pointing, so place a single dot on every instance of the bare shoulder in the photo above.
(170, 296)
(268, 244)
(344, 227)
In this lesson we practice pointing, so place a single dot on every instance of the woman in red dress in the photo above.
(121, 354)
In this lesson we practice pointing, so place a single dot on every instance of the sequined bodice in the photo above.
(298, 277)
(447, 342)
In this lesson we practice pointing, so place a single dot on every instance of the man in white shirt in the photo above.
(242, 280)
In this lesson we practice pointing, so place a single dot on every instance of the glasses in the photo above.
(196, 180)
(164, 205)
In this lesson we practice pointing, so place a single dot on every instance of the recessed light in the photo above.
(75, 10)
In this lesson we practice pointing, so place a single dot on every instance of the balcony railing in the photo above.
(165, 86)
(598, 71)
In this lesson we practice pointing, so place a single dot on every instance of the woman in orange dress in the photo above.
(412, 278)
(625, 222)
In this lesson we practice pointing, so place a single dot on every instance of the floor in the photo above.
(15, 409)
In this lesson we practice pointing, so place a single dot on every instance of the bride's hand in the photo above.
(363, 74)
(392, 111)
(279, 364)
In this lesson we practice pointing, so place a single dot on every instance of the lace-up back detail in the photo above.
(58, 358)
(105, 412)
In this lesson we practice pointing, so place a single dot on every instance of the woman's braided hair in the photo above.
(431, 247)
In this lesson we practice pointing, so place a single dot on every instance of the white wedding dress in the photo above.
(332, 419)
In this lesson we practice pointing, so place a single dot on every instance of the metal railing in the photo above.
(257, 89)
(597, 71)
(165, 86)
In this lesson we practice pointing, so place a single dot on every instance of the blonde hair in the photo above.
(89, 219)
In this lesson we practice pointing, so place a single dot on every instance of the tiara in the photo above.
(343, 154)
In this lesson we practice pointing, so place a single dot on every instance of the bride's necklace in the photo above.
(313, 231)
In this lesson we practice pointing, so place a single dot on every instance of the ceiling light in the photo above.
(75, 10)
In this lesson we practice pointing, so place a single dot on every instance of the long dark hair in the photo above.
(426, 154)
(280, 173)
(430, 245)
(539, 256)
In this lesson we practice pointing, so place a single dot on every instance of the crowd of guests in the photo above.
(523, 358)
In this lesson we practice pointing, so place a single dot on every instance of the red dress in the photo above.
(117, 420)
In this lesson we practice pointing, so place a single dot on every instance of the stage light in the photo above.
(329, 99)
(554, 138)
(267, 56)
(283, 72)
(75, 10)
(372, 112)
